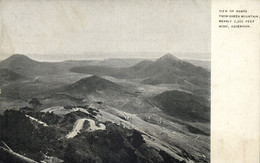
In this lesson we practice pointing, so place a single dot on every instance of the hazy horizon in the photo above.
(104, 56)
(114, 29)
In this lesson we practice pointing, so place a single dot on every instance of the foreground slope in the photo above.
(49, 142)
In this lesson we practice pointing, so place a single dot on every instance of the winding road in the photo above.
(79, 125)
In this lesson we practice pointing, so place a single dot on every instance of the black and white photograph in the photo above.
(105, 81)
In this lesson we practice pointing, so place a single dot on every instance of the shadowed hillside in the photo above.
(169, 69)
(141, 65)
(23, 65)
(166, 70)
(7, 75)
(114, 144)
(92, 84)
(184, 105)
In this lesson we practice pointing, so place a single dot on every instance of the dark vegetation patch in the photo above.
(115, 144)
(184, 105)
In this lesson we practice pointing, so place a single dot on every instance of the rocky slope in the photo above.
(114, 144)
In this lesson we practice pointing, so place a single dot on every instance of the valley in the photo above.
(106, 111)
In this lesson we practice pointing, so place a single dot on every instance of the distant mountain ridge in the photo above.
(166, 70)
(26, 66)
(171, 64)
(23, 65)
(169, 70)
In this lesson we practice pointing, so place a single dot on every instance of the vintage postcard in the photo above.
(128, 81)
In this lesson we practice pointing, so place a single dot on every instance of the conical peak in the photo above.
(169, 56)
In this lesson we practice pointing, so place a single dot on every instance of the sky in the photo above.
(77, 29)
